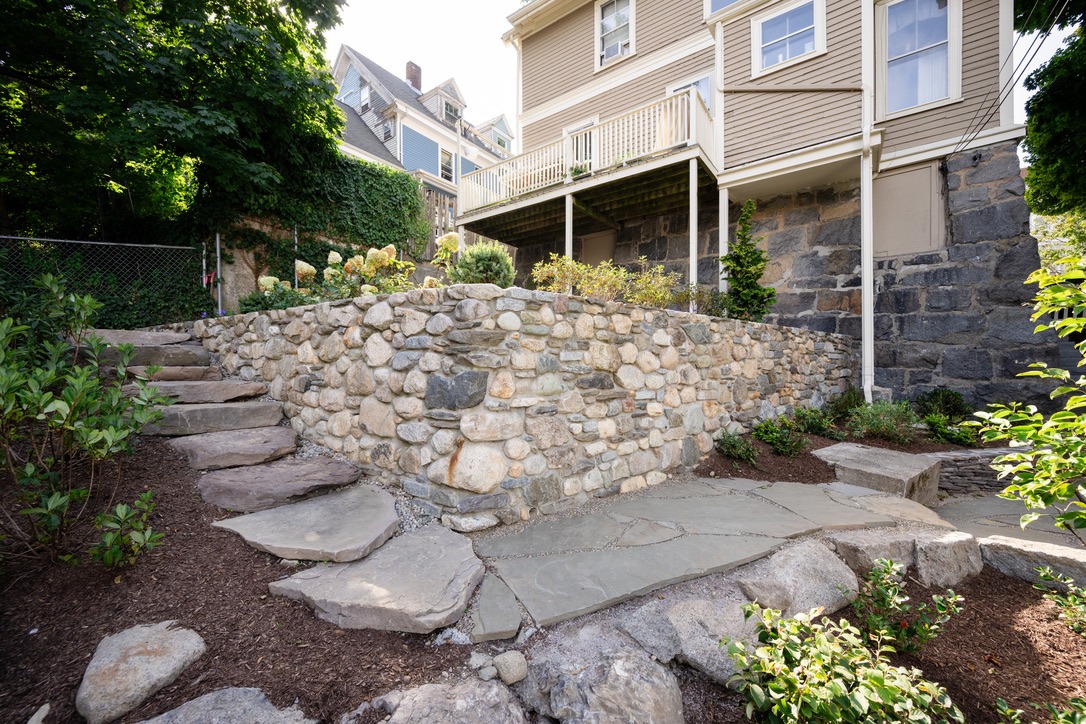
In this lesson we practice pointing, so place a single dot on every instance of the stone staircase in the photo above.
(302, 509)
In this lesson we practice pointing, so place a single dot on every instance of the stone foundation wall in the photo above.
(969, 471)
(492, 403)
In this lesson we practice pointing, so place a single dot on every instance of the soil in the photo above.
(1007, 643)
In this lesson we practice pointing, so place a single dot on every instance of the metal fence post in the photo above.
(295, 256)
(218, 269)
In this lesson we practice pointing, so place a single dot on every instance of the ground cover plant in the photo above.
(781, 435)
(887, 617)
(1070, 598)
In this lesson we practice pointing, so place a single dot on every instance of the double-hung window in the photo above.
(919, 53)
(614, 30)
(446, 165)
(364, 99)
(452, 113)
(704, 86)
(787, 35)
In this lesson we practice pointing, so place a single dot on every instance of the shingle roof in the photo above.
(359, 135)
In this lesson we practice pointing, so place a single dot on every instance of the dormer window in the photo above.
(614, 30)
(502, 143)
(364, 99)
(452, 113)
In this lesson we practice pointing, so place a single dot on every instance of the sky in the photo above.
(463, 41)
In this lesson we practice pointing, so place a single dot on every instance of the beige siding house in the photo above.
(876, 136)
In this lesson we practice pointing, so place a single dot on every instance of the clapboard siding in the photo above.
(419, 152)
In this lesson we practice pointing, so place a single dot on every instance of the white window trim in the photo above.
(675, 87)
(581, 125)
(954, 62)
(452, 156)
(756, 70)
(598, 39)
(366, 90)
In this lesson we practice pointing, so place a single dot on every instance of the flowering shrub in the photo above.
(650, 286)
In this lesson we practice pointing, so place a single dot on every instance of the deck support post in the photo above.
(693, 278)
(569, 226)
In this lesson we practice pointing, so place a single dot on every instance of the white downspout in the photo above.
(718, 130)
(867, 225)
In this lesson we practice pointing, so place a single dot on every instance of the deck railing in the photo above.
(676, 121)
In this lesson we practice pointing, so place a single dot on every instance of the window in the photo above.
(389, 130)
(715, 6)
(452, 113)
(502, 143)
(614, 30)
(788, 35)
(446, 165)
(919, 53)
(704, 86)
(364, 99)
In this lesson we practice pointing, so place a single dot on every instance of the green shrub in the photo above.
(711, 302)
(781, 436)
(1070, 599)
(940, 429)
(484, 263)
(803, 671)
(651, 286)
(1075, 713)
(887, 617)
(63, 420)
(839, 408)
(891, 421)
(737, 448)
(127, 534)
(745, 264)
(815, 422)
(279, 297)
(942, 401)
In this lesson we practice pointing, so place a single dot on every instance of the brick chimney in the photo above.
(414, 76)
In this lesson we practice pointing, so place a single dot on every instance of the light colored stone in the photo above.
(469, 702)
(859, 549)
(114, 337)
(1021, 558)
(214, 417)
(812, 503)
(908, 511)
(413, 322)
(128, 667)
(468, 310)
(379, 316)
(915, 477)
(946, 559)
(415, 583)
(476, 467)
(178, 374)
(377, 418)
(469, 523)
(517, 449)
(621, 686)
(512, 666)
(504, 385)
(801, 577)
(509, 321)
(548, 432)
(630, 377)
(259, 487)
(39, 716)
(496, 615)
(342, 526)
(483, 426)
(604, 356)
(231, 706)
(233, 448)
(377, 351)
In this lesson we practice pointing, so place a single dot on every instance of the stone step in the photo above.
(178, 374)
(233, 448)
(138, 338)
(342, 526)
(172, 355)
(215, 417)
(415, 583)
(260, 487)
(915, 477)
(206, 391)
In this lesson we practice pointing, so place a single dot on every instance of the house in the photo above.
(876, 136)
(390, 120)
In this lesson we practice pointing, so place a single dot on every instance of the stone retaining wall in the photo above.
(488, 403)
(969, 471)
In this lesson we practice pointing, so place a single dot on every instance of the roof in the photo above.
(358, 134)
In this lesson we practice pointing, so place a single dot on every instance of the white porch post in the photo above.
(693, 225)
(867, 222)
(569, 226)
(722, 236)
(461, 243)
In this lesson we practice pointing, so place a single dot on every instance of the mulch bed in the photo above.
(1008, 643)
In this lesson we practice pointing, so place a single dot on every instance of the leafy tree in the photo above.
(1055, 132)
(1059, 236)
(744, 264)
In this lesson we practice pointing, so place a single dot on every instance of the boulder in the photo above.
(231, 706)
(128, 667)
(946, 559)
(342, 526)
(416, 583)
(620, 686)
(469, 702)
(801, 577)
(915, 477)
(260, 487)
(215, 450)
(1020, 558)
(511, 666)
(196, 392)
(214, 417)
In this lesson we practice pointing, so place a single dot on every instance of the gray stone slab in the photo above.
(720, 515)
(558, 587)
(915, 477)
(849, 490)
(342, 526)
(138, 338)
(739, 485)
(416, 583)
(689, 489)
(645, 532)
(901, 509)
(231, 706)
(205, 391)
(259, 487)
(174, 355)
(177, 374)
(216, 450)
(1021, 558)
(553, 536)
(496, 615)
(215, 417)
(810, 502)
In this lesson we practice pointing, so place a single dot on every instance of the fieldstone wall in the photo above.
(970, 471)
(492, 404)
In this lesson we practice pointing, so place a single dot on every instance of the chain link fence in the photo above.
(138, 284)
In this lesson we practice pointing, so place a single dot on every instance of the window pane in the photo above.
(917, 79)
(932, 23)
(901, 24)
(790, 22)
(715, 5)
(801, 43)
(774, 29)
(775, 53)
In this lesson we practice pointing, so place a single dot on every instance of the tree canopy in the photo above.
(1055, 128)
(151, 108)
